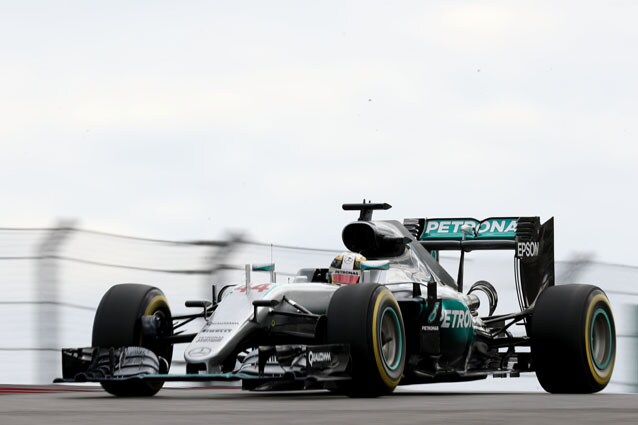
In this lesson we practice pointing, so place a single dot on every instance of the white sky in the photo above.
(175, 119)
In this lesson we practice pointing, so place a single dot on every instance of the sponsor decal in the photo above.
(455, 319)
(429, 328)
(322, 357)
(527, 249)
(219, 329)
(451, 228)
(447, 226)
(199, 352)
(209, 338)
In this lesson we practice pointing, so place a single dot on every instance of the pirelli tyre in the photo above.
(118, 323)
(368, 318)
(573, 339)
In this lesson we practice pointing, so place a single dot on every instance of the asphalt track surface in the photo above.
(81, 405)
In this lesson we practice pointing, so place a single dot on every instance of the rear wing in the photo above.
(532, 243)
(468, 234)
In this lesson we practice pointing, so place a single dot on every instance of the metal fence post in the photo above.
(218, 262)
(47, 323)
(633, 367)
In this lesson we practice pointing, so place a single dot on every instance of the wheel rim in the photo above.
(601, 343)
(158, 307)
(390, 339)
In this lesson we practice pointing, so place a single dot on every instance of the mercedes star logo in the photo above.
(199, 351)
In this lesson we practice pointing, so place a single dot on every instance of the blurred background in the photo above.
(54, 278)
(208, 131)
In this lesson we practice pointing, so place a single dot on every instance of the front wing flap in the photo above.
(323, 363)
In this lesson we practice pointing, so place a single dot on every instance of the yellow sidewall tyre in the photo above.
(368, 318)
(573, 339)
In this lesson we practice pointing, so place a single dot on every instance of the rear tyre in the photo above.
(573, 339)
(117, 324)
(368, 318)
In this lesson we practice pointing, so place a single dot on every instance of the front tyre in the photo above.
(573, 339)
(368, 317)
(117, 324)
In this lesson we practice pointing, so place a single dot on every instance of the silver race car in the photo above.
(405, 321)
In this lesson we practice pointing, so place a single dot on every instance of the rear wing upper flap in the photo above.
(494, 233)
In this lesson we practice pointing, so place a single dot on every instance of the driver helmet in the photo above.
(346, 269)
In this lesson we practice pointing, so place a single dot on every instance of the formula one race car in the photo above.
(406, 322)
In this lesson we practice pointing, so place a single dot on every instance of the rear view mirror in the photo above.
(375, 265)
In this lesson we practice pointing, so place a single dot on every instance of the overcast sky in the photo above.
(183, 119)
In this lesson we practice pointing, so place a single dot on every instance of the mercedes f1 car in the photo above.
(407, 322)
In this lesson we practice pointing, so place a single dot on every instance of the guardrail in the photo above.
(37, 264)
(54, 277)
